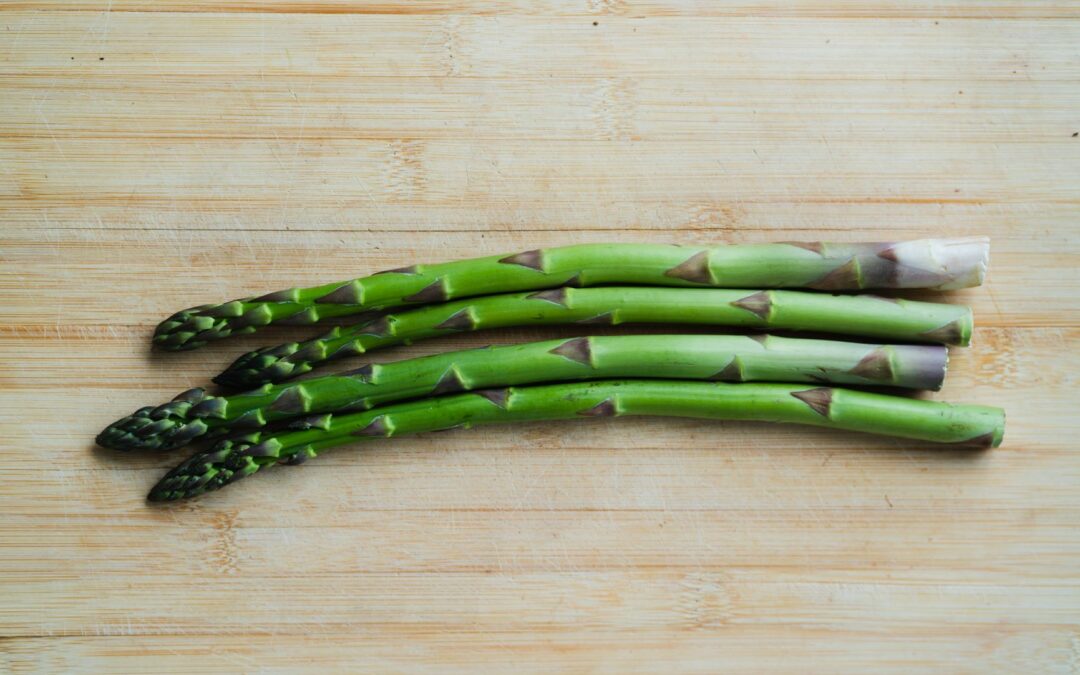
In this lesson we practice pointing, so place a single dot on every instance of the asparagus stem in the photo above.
(899, 320)
(233, 459)
(928, 263)
(701, 357)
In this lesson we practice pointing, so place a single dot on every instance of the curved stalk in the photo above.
(701, 357)
(861, 315)
(928, 263)
(234, 459)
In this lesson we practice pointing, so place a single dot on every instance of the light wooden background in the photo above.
(156, 155)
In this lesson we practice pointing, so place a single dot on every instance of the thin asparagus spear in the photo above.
(700, 357)
(928, 263)
(864, 315)
(233, 459)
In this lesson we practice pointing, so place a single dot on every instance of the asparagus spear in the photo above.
(233, 459)
(899, 320)
(928, 263)
(700, 357)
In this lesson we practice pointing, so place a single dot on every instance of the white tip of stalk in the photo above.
(964, 260)
(958, 263)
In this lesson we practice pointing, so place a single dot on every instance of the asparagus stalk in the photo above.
(701, 357)
(233, 459)
(864, 315)
(929, 263)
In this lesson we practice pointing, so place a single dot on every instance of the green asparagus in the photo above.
(864, 315)
(929, 263)
(233, 459)
(707, 357)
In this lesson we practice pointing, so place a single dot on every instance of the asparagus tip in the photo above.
(227, 462)
(161, 428)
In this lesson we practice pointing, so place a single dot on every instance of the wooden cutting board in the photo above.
(157, 155)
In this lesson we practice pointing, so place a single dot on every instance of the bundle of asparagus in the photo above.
(866, 316)
(697, 357)
(690, 375)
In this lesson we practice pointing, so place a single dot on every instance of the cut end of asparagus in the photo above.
(924, 366)
(966, 261)
(996, 435)
(956, 332)
(999, 433)
(990, 439)
(908, 366)
(940, 264)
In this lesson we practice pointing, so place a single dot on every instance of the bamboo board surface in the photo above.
(157, 155)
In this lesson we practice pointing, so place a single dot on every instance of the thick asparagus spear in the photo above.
(865, 315)
(927, 263)
(702, 357)
(233, 459)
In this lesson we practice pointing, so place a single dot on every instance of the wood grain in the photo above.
(637, 8)
(159, 155)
